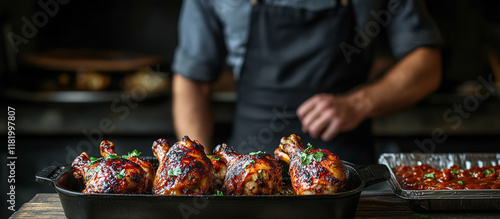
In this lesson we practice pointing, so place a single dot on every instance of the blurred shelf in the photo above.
(70, 96)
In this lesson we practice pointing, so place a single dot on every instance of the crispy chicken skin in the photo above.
(327, 176)
(258, 174)
(220, 170)
(108, 148)
(184, 168)
(112, 175)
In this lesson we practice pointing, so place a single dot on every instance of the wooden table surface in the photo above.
(373, 204)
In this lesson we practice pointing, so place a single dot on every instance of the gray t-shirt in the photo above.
(212, 32)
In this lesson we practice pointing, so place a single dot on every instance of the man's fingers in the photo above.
(332, 130)
(309, 118)
(318, 126)
(306, 107)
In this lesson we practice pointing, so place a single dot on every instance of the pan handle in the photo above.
(373, 174)
(47, 175)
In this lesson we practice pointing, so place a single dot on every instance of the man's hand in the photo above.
(325, 115)
(411, 79)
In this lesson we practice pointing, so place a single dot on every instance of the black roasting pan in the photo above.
(79, 205)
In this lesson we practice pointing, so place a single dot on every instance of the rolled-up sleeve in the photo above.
(200, 52)
(411, 27)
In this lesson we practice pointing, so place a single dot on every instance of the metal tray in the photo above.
(79, 205)
(444, 200)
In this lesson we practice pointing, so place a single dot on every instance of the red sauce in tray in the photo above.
(426, 177)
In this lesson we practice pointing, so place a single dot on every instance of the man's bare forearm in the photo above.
(410, 80)
(192, 110)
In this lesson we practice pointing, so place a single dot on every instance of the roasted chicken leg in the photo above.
(312, 172)
(184, 168)
(110, 174)
(255, 174)
(108, 148)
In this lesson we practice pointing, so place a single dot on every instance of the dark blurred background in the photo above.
(60, 104)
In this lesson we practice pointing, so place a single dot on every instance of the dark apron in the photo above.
(293, 54)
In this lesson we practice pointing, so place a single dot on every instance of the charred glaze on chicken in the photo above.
(257, 174)
(312, 171)
(112, 173)
(220, 170)
(183, 168)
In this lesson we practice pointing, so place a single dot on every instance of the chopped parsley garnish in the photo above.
(429, 175)
(121, 174)
(249, 162)
(419, 183)
(255, 153)
(174, 172)
(218, 193)
(308, 158)
(134, 153)
(309, 148)
(335, 165)
(317, 156)
(112, 156)
(97, 169)
(213, 157)
(93, 160)
(460, 182)
(260, 174)
(488, 172)
(454, 171)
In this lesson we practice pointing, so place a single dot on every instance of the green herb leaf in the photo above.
(93, 160)
(306, 158)
(335, 165)
(460, 182)
(318, 156)
(112, 156)
(249, 162)
(121, 174)
(488, 172)
(309, 148)
(260, 174)
(97, 169)
(454, 171)
(255, 153)
(218, 193)
(213, 157)
(134, 153)
(429, 175)
(174, 172)
(419, 183)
